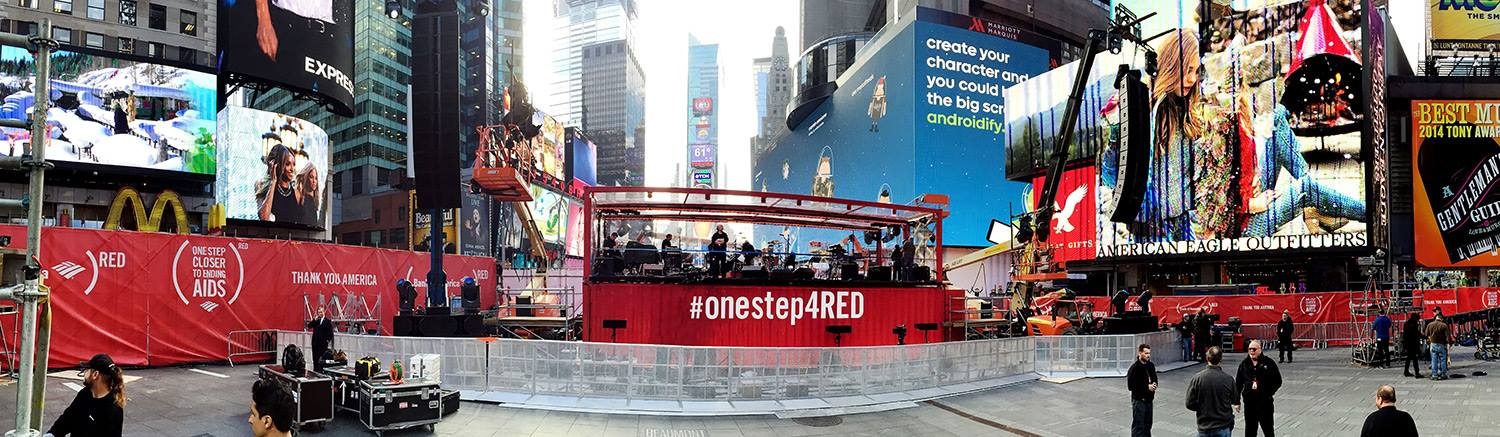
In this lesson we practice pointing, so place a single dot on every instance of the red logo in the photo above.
(1310, 305)
(208, 276)
(1491, 298)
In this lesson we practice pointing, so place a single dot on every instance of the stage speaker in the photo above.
(437, 326)
(752, 273)
(880, 273)
(783, 274)
(403, 325)
(849, 272)
(839, 329)
(435, 104)
(1134, 149)
(470, 325)
(802, 273)
(614, 324)
(919, 274)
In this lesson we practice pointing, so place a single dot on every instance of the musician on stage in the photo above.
(748, 252)
(717, 246)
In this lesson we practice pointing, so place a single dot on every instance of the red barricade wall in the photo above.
(1329, 307)
(663, 314)
(161, 299)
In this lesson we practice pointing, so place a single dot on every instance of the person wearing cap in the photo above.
(99, 408)
(272, 409)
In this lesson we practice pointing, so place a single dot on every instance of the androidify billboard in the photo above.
(1456, 168)
(919, 113)
(306, 45)
(114, 111)
(1256, 139)
(272, 167)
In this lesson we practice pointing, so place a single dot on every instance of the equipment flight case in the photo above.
(386, 406)
(313, 390)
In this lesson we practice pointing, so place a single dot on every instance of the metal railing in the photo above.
(1312, 335)
(260, 343)
(688, 373)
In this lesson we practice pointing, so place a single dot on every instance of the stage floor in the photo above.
(1322, 396)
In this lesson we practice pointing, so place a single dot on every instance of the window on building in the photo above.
(96, 10)
(382, 177)
(401, 212)
(93, 40)
(397, 237)
(158, 18)
(373, 238)
(26, 3)
(62, 6)
(127, 12)
(351, 238)
(127, 45)
(357, 180)
(375, 215)
(63, 35)
(155, 49)
(25, 27)
(189, 23)
(187, 55)
(338, 184)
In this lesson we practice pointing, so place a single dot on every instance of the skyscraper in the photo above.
(773, 90)
(703, 119)
(599, 84)
(177, 30)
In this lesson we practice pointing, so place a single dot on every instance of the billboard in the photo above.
(1256, 137)
(421, 229)
(285, 156)
(703, 178)
(1456, 168)
(550, 210)
(920, 112)
(303, 45)
(575, 228)
(114, 111)
(583, 158)
(474, 226)
(1073, 227)
(548, 148)
(701, 155)
(1464, 24)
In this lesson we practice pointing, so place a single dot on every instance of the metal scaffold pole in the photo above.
(32, 293)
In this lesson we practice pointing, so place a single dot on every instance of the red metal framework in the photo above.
(604, 204)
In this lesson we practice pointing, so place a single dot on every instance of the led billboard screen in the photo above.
(272, 167)
(305, 45)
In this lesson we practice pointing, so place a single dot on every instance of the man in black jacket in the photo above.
(1211, 393)
(1141, 379)
(1387, 421)
(1284, 343)
(322, 339)
(1257, 381)
(1411, 345)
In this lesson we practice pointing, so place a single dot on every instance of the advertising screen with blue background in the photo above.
(886, 135)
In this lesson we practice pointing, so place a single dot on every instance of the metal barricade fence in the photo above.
(1315, 335)
(659, 372)
(252, 344)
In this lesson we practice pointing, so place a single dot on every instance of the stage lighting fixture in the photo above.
(900, 331)
(407, 295)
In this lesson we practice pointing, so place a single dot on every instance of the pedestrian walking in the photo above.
(1185, 330)
(1211, 393)
(1438, 335)
(1201, 330)
(99, 407)
(1284, 330)
(1382, 327)
(1141, 379)
(1387, 421)
(1257, 381)
(1411, 346)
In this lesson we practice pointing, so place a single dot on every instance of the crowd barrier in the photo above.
(689, 373)
(1309, 335)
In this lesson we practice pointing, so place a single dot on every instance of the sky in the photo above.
(743, 31)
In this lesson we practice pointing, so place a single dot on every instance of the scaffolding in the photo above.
(1395, 298)
(351, 314)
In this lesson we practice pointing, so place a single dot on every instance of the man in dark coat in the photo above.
(1387, 421)
(322, 339)
(1257, 381)
(1411, 346)
(1141, 380)
(1284, 330)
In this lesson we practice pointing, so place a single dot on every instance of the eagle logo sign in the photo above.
(1064, 217)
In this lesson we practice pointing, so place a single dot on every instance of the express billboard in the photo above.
(286, 158)
(1456, 168)
(1256, 137)
(113, 109)
(305, 45)
(1464, 24)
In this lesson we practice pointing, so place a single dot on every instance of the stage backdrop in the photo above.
(162, 299)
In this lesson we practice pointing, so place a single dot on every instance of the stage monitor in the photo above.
(114, 109)
(273, 168)
(303, 45)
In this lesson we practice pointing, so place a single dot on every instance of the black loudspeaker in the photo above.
(1135, 149)
(470, 296)
(849, 272)
(404, 326)
(435, 104)
(470, 325)
(919, 274)
(839, 329)
(880, 273)
(614, 324)
(752, 273)
(437, 326)
(524, 312)
(802, 273)
(783, 274)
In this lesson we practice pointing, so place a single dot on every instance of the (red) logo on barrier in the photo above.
(1491, 298)
(1310, 305)
(208, 275)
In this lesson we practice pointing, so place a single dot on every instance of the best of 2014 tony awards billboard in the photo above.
(1456, 166)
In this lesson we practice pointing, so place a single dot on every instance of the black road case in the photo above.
(313, 391)
(386, 406)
